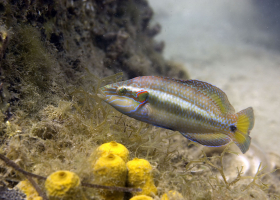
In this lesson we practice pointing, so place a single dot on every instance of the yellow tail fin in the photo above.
(244, 124)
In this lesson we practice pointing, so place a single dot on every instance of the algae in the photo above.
(68, 133)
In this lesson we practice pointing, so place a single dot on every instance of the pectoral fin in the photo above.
(208, 139)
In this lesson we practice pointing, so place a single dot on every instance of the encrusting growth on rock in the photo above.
(27, 188)
(64, 185)
(140, 176)
(4, 39)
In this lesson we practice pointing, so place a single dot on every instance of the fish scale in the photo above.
(188, 104)
(199, 110)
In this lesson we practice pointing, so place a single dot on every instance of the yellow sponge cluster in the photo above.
(27, 188)
(140, 176)
(62, 185)
(109, 168)
(172, 195)
(114, 148)
(141, 197)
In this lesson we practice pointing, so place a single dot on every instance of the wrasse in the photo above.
(199, 110)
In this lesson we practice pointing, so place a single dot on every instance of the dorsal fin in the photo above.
(211, 91)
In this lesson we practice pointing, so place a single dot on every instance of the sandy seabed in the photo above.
(228, 44)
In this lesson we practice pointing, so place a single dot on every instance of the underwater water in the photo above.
(234, 45)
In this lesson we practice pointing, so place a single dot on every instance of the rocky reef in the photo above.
(47, 46)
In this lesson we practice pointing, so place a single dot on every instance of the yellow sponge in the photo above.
(30, 192)
(114, 148)
(141, 197)
(63, 185)
(110, 170)
(140, 176)
(172, 195)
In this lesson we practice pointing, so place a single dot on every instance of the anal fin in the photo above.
(208, 139)
(164, 127)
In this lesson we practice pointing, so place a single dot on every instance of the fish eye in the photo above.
(121, 91)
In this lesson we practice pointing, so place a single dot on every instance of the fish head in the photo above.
(126, 98)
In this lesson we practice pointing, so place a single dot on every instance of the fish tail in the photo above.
(244, 124)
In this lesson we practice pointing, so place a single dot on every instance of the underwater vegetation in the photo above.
(54, 57)
(45, 47)
(69, 134)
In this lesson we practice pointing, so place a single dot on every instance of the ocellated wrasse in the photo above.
(199, 110)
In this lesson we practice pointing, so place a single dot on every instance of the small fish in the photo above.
(199, 110)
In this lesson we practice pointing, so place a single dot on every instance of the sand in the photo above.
(228, 44)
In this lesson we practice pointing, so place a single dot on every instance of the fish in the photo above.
(199, 110)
